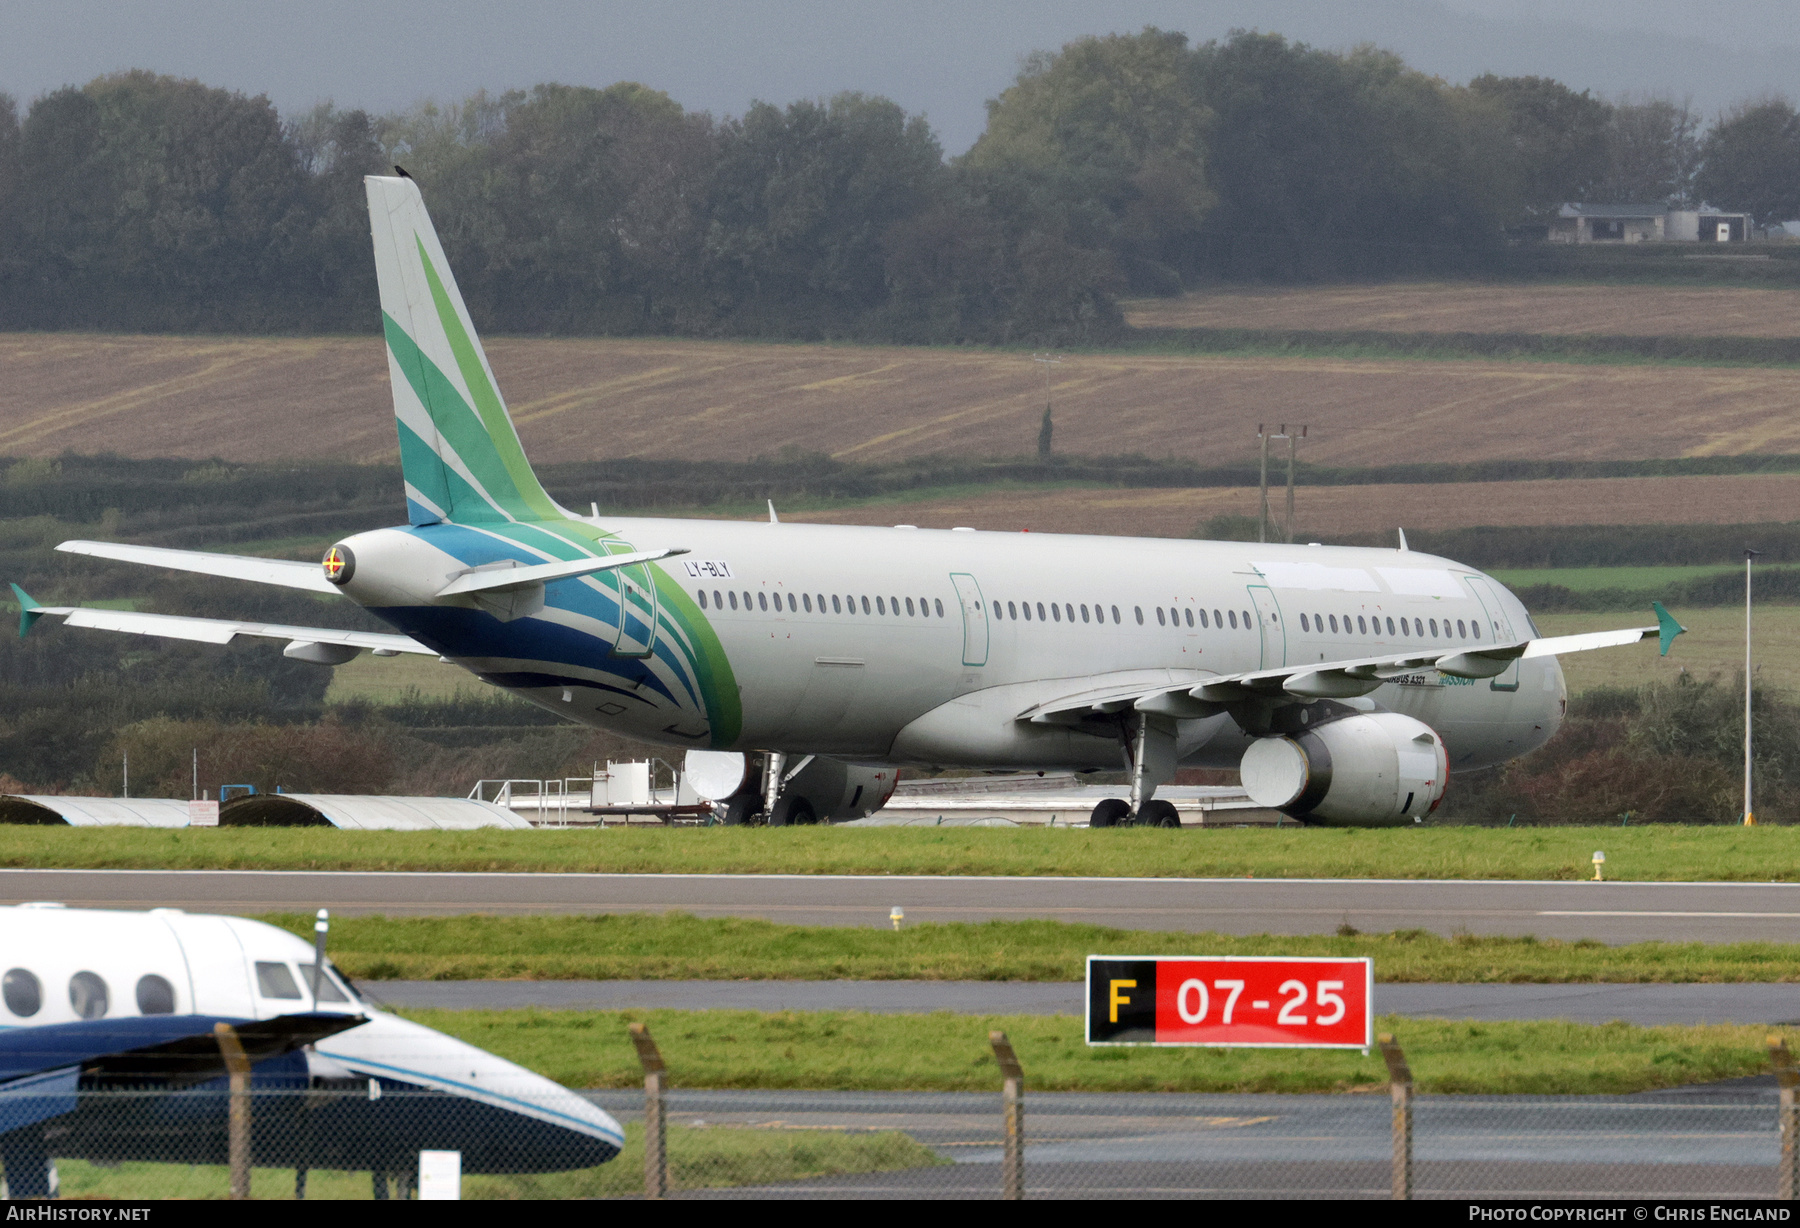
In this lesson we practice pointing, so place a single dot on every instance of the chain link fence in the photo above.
(342, 1140)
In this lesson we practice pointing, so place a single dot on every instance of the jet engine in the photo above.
(1378, 769)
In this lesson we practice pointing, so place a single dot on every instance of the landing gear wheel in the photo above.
(1158, 813)
(793, 812)
(1112, 812)
(739, 810)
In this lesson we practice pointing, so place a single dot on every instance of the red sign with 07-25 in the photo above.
(1231, 1001)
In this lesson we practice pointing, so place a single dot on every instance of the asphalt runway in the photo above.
(1608, 912)
(1640, 1004)
(1705, 1142)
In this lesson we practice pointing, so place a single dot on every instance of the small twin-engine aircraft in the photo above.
(108, 1053)
(1344, 683)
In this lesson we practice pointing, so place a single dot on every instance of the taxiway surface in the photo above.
(1609, 912)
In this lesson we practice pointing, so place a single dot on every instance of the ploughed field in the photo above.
(285, 398)
(1434, 307)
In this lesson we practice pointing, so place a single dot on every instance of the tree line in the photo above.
(1126, 164)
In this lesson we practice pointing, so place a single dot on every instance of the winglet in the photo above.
(1667, 626)
(29, 610)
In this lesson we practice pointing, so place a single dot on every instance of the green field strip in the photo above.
(945, 1052)
(1634, 854)
(678, 946)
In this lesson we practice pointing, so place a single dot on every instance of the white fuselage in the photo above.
(899, 645)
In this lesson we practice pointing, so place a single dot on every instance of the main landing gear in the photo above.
(1149, 745)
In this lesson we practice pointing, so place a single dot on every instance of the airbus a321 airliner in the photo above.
(1345, 683)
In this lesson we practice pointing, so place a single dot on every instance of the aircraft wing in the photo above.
(42, 1068)
(285, 572)
(1307, 681)
(217, 630)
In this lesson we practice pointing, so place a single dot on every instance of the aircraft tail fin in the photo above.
(459, 452)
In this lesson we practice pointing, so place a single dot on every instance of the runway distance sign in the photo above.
(1231, 1002)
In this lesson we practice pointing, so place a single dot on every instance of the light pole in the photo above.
(1749, 760)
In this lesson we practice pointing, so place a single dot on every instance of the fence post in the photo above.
(1012, 1100)
(238, 1131)
(1400, 1083)
(656, 1157)
(1787, 1078)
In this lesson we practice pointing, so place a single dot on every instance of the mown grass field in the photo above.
(1646, 854)
(1591, 579)
(677, 946)
(946, 1052)
(707, 1158)
(581, 398)
(1619, 310)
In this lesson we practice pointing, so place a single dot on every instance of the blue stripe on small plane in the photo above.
(474, 1092)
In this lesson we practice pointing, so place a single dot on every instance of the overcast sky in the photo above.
(939, 57)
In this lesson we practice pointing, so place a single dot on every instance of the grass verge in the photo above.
(1645, 854)
(946, 1052)
(699, 1159)
(678, 946)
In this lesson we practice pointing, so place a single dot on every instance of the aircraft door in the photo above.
(636, 636)
(1269, 627)
(1499, 626)
(975, 623)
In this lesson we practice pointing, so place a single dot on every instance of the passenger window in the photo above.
(940, 606)
(1303, 624)
(155, 996)
(1069, 609)
(806, 598)
(880, 606)
(1040, 606)
(1234, 620)
(1027, 606)
(1418, 628)
(1139, 611)
(762, 601)
(1084, 613)
(1189, 615)
(22, 992)
(1160, 619)
(329, 990)
(273, 980)
(1434, 628)
(1362, 628)
(793, 604)
(1012, 611)
(1461, 633)
(835, 607)
(733, 597)
(1116, 618)
(909, 607)
(703, 599)
(1055, 611)
(747, 602)
(865, 605)
(1334, 624)
(1475, 628)
(87, 994)
(1218, 619)
(894, 606)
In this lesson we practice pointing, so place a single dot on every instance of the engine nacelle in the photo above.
(1378, 769)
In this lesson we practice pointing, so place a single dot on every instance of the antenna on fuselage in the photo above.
(1403, 546)
(773, 518)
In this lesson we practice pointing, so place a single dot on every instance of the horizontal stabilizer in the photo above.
(284, 572)
(510, 574)
(223, 631)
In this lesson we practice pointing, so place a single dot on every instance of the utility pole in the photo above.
(1262, 439)
(1749, 759)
